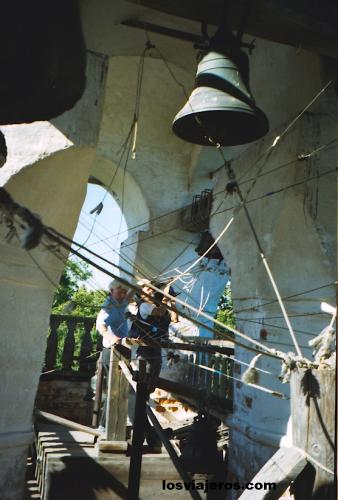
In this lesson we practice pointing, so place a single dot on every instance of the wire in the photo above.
(166, 214)
(221, 234)
(143, 273)
(176, 258)
(254, 386)
(124, 147)
(50, 233)
(287, 297)
(156, 289)
(274, 326)
(55, 285)
(271, 193)
(302, 315)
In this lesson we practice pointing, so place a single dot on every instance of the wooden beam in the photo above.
(117, 397)
(212, 347)
(140, 416)
(282, 468)
(164, 438)
(196, 397)
(294, 22)
(65, 422)
(112, 446)
(98, 392)
(172, 453)
(313, 430)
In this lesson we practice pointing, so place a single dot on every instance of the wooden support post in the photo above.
(138, 433)
(172, 453)
(117, 397)
(313, 426)
(98, 392)
(277, 474)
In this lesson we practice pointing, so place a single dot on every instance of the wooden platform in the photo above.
(70, 466)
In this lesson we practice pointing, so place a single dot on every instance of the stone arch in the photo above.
(54, 187)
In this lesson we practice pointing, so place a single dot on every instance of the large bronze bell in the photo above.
(221, 109)
(200, 455)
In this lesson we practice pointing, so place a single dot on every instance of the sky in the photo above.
(108, 224)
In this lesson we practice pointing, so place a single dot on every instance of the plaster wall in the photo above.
(48, 168)
(26, 297)
(169, 256)
(46, 171)
(295, 223)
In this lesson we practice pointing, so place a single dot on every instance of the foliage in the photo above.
(225, 311)
(87, 302)
(73, 275)
(72, 297)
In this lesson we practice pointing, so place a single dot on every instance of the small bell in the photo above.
(200, 455)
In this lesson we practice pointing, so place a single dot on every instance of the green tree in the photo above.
(87, 302)
(225, 311)
(73, 275)
(72, 297)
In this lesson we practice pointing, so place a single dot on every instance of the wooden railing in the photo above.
(72, 344)
(73, 347)
(211, 372)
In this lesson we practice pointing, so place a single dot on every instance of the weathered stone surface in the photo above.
(68, 399)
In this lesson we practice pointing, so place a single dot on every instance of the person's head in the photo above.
(117, 290)
(158, 296)
(146, 291)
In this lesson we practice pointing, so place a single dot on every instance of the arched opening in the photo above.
(102, 230)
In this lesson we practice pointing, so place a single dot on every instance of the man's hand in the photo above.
(115, 339)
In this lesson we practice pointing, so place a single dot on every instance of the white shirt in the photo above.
(146, 309)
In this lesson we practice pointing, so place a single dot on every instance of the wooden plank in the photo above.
(309, 25)
(282, 468)
(98, 392)
(313, 429)
(211, 347)
(134, 476)
(112, 446)
(65, 422)
(117, 398)
(188, 393)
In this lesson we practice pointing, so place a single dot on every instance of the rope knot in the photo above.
(323, 344)
(289, 364)
(251, 375)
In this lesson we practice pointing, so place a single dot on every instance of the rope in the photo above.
(262, 348)
(287, 297)
(171, 212)
(267, 351)
(231, 176)
(314, 461)
(255, 386)
(224, 230)
(271, 193)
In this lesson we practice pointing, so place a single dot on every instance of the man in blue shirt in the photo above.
(112, 324)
